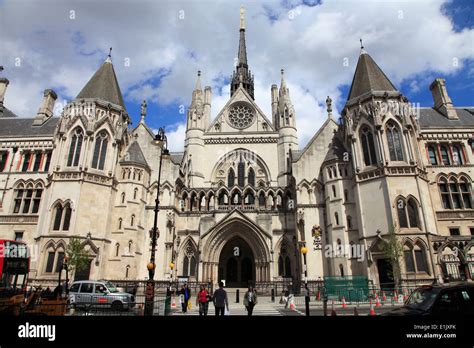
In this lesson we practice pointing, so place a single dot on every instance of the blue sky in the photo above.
(61, 43)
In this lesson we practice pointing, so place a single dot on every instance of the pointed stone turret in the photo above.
(286, 126)
(242, 75)
(103, 85)
(369, 80)
(197, 122)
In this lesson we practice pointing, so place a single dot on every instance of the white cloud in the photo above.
(174, 39)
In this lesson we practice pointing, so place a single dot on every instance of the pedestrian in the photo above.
(287, 296)
(202, 300)
(185, 294)
(220, 300)
(250, 300)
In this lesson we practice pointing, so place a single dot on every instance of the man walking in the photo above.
(220, 300)
(185, 296)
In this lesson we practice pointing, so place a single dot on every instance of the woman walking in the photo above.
(202, 300)
(250, 300)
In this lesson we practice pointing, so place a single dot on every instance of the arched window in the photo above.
(456, 194)
(27, 200)
(75, 148)
(62, 217)
(408, 255)
(123, 198)
(341, 270)
(412, 210)
(287, 267)
(135, 192)
(241, 174)
(394, 142)
(132, 220)
(117, 249)
(57, 217)
(349, 222)
(251, 177)
(368, 148)
(445, 155)
(457, 155)
(336, 217)
(280, 266)
(120, 224)
(185, 266)
(330, 173)
(130, 243)
(100, 151)
(249, 198)
(261, 200)
(192, 266)
(127, 270)
(432, 155)
(407, 213)
(67, 217)
(346, 195)
(334, 191)
(420, 258)
(223, 198)
(231, 178)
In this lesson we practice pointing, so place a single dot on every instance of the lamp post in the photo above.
(65, 266)
(160, 140)
(171, 276)
(304, 251)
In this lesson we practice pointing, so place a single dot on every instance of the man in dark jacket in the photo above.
(186, 295)
(220, 299)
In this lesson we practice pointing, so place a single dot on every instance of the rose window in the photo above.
(241, 116)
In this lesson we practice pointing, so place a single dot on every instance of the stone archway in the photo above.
(254, 265)
(236, 263)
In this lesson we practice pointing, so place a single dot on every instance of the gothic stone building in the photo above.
(243, 197)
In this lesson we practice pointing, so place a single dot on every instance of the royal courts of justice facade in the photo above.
(243, 197)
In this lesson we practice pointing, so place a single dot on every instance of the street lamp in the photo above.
(304, 251)
(160, 140)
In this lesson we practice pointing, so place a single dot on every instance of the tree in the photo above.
(78, 258)
(393, 250)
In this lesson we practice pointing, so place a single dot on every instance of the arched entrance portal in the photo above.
(237, 264)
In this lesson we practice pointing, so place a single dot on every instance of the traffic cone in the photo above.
(384, 297)
(318, 296)
(372, 310)
(356, 313)
(344, 302)
(377, 302)
(292, 306)
(333, 312)
(173, 302)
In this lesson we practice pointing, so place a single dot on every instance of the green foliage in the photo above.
(78, 258)
(393, 250)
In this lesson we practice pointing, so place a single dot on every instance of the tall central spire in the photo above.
(242, 75)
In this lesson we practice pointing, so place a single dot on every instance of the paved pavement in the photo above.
(267, 308)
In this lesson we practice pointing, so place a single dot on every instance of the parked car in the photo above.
(99, 294)
(442, 299)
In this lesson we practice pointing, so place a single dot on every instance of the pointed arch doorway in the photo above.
(237, 264)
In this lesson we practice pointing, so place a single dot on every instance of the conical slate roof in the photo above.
(368, 77)
(103, 85)
(135, 155)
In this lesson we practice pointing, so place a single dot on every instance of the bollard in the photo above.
(273, 295)
(237, 296)
(325, 306)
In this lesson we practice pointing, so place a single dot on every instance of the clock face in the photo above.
(241, 116)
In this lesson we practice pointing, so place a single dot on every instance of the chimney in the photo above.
(442, 102)
(45, 110)
(3, 88)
